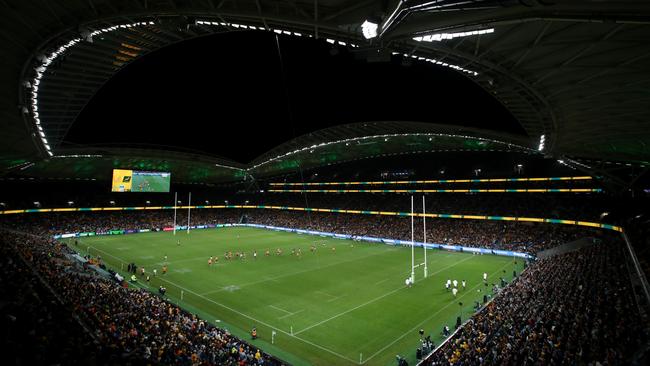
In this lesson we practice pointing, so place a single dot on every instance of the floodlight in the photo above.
(369, 29)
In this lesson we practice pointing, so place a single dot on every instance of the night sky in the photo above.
(232, 95)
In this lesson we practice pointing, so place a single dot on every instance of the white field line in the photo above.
(382, 281)
(429, 318)
(332, 297)
(325, 293)
(375, 299)
(271, 279)
(288, 315)
(257, 320)
(335, 298)
(277, 308)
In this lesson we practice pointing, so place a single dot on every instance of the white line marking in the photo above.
(277, 308)
(376, 299)
(288, 315)
(429, 318)
(382, 281)
(325, 293)
(335, 298)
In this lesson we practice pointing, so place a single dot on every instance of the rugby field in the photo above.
(344, 304)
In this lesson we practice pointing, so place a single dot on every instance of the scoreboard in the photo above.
(125, 180)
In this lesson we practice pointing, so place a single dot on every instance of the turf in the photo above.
(344, 304)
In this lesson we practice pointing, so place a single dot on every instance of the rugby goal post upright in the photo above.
(424, 223)
(412, 243)
(175, 203)
(189, 205)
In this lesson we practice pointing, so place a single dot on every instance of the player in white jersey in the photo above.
(455, 283)
(448, 284)
(484, 276)
(454, 291)
(464, 284)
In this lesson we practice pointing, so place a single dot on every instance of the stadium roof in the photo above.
(576, 72)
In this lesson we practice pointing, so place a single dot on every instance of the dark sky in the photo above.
(232, 95)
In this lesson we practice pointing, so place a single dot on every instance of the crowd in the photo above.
(132, 326)
(575, 308)
(37, 328)
(571, 206)
(69, 222)
(505, 235)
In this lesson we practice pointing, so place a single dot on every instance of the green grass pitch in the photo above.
(344, 304)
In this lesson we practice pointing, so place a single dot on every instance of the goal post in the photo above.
(412, 242)
(424, 224)
(424, 263)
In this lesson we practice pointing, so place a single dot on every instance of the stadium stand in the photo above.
(574, 308)
(130, 325)
(525, 237)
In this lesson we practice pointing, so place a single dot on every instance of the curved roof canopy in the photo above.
(325, 147)
(576, 72)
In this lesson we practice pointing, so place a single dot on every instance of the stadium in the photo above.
(328, 182)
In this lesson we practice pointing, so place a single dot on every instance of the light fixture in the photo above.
(369, 29)
(542, 141)
(437, 37)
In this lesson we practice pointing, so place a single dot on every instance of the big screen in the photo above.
(125, 180)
